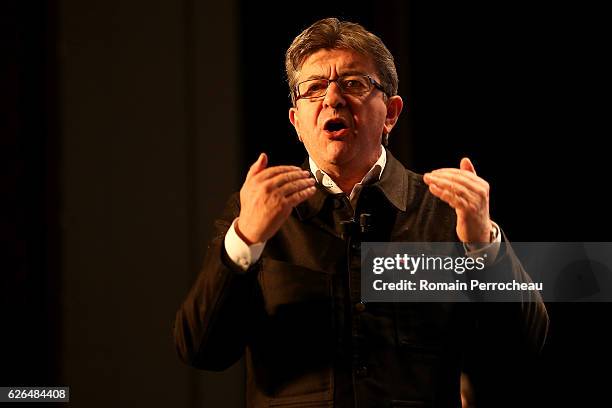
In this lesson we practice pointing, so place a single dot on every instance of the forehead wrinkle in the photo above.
(347, 62)
(325, 65)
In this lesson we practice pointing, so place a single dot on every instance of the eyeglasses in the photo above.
(348, 84)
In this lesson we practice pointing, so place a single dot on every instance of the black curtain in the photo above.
(29, 272)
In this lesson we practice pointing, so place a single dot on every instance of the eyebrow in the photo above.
(314, 76)
(345, 73)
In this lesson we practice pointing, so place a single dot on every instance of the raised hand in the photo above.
(267, 197)
(468, 194)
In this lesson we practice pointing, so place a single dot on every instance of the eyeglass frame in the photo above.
(296, 91)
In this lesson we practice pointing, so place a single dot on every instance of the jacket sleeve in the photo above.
(522, 321)
(504, 357)
(212, 324)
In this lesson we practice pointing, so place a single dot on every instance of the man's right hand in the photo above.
(267, 197)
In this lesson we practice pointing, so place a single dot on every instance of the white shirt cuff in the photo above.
(239, 252)
(489, 251)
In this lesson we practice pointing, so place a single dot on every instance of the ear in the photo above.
(293, 118)
(394, 108)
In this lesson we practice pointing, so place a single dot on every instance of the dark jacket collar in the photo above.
(394, 184)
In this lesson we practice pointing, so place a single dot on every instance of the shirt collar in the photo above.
(396, 183)
(371, 176)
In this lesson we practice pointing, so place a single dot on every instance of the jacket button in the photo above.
(360, 307)
(361, 371)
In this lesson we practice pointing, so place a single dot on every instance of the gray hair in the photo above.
(331, 33)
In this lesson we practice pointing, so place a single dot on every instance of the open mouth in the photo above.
(335, 125)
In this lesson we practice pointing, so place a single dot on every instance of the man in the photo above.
(281, 279)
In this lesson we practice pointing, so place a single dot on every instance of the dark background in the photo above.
(125, 125)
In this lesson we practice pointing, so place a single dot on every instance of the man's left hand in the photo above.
(468, 194)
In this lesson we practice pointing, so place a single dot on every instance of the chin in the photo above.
(338, 152)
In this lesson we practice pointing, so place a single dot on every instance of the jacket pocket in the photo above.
(293, 344)
(285, 285)
(300, 403)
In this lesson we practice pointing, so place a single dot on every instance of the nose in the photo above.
(334, 97)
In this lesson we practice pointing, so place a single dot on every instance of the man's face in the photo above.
(342, 133)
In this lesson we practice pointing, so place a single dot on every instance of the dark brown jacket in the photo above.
(297, 312)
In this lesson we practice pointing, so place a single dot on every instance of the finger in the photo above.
(290, 188)
(466, 173)
(466, 164)
(468, 179)
(451, 191)
(479, 187)
(258, 166)
(455, 201)
(462, 177)
(270, 172)
(287, 177)
(301, 195)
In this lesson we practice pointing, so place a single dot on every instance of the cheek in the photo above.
(371, 120)
(308, 120)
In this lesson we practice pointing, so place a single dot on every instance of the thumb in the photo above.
(466, 164)
(259, 165)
